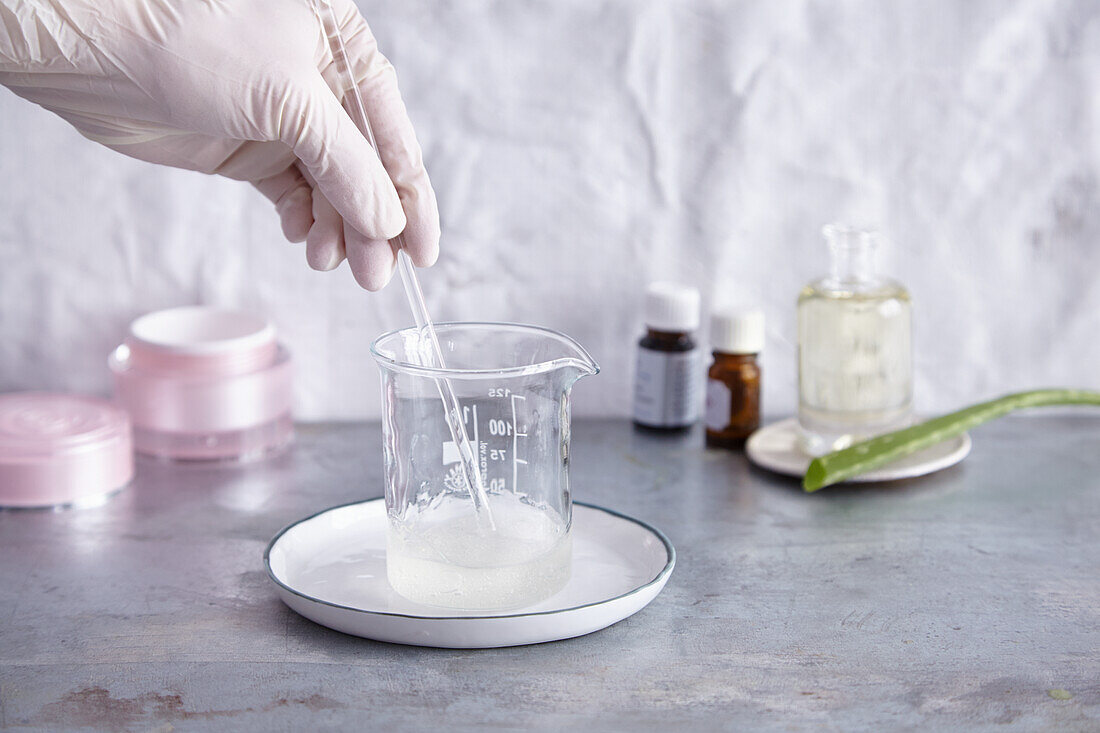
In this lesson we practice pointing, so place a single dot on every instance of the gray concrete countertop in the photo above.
(960, 600)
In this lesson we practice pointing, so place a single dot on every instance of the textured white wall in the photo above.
(582, 148)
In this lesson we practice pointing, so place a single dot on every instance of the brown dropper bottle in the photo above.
(733, 381)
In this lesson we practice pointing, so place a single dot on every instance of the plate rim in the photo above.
(659, 579)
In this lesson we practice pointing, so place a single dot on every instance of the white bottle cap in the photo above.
(733, 332)
(671, 307)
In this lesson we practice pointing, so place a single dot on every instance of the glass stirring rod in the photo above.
(353, 102)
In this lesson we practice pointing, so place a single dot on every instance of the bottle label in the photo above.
(719, 400)
(666, 388)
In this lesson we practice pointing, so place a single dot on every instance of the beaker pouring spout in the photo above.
(577, 362)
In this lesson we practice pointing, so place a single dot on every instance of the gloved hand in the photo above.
(244, 89)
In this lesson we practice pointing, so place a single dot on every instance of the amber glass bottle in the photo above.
(733, 381)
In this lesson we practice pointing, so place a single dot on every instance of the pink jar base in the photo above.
(236, 446)
(204, 384)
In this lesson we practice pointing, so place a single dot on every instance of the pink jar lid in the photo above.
(201, 341)
(58, 449)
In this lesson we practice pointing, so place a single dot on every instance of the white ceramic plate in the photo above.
(776, 448)
(331, 568)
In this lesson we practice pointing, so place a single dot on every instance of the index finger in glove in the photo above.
(337, 156)
(393, 131)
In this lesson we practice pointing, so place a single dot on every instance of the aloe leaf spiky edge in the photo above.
(869, 454)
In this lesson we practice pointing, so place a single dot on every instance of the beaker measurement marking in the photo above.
(500, 427)
(516, 460)
(483, 463)
(497, 429)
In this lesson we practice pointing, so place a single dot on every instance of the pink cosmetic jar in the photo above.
(203, 383)
(58, 450)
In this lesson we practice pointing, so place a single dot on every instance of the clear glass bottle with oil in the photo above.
(855, 358)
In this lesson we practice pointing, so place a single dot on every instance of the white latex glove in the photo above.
(244, 89)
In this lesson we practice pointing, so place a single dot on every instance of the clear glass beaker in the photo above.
(513, 386)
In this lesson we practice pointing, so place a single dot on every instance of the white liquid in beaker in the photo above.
(452, 562)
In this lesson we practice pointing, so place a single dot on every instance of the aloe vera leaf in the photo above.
(868, 455)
